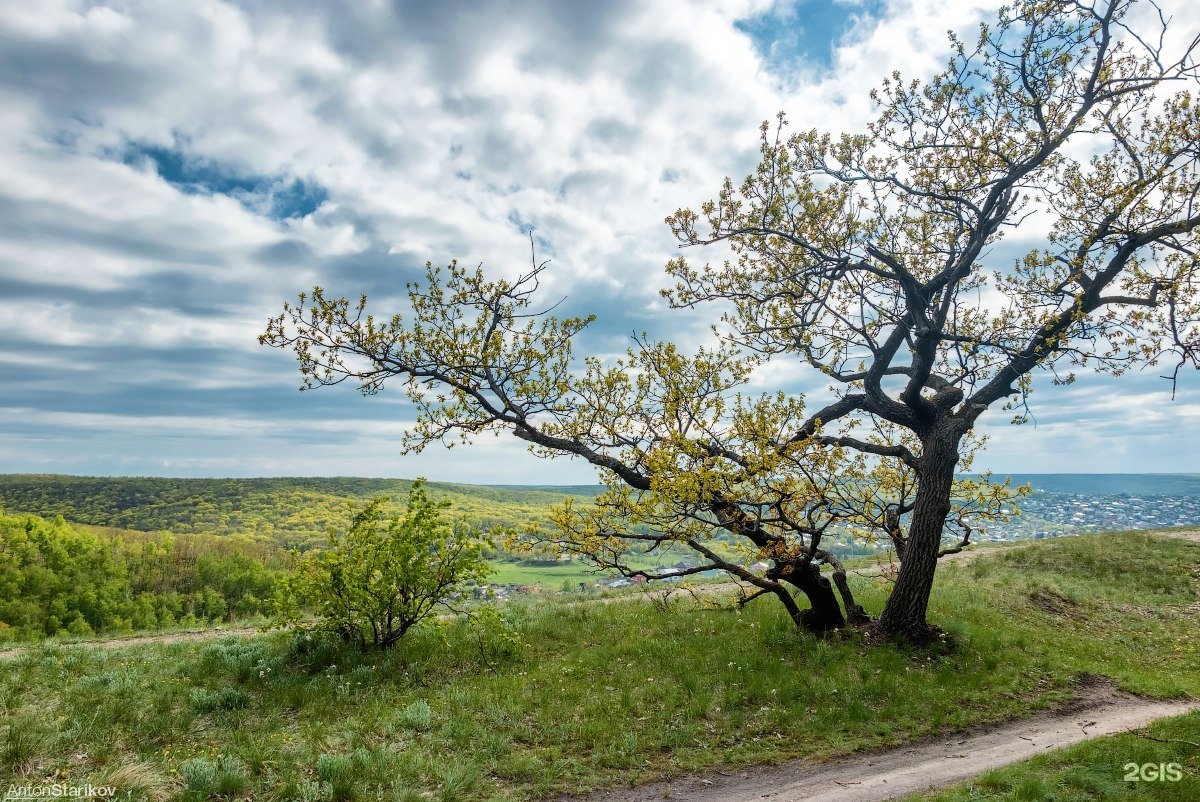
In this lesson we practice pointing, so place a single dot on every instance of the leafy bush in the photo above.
(337, 775)
(385, 574)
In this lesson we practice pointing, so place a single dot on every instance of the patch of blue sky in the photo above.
(520, 223)
(794, 35)
(278, 196)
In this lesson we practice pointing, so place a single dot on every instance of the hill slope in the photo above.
(294, 511)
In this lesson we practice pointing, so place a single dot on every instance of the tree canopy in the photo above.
(62, 579)
(868, 257)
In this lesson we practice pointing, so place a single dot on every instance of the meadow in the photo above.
(554, 698)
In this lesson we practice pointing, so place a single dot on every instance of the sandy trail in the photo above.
(919, 766)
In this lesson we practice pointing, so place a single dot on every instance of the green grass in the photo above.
(598, 695)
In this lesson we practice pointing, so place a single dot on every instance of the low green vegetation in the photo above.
(548, 697)
(384, 575)
(557, 575)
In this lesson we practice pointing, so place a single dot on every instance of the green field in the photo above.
(552, 577)
(548, 577)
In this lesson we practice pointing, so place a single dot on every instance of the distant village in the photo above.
(1050, 514)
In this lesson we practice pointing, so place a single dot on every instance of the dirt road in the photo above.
(918, 766)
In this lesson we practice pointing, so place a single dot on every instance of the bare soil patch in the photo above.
(1185, 534)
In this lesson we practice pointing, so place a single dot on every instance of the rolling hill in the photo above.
(291, 511)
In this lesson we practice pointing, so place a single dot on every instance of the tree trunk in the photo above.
(824, 613)
(855, 614)
(904, 613)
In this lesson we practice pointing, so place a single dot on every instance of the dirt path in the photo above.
(919, 766)
(11, 652)
(1185, 534)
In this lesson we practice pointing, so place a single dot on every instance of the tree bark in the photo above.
(855, 614)
(905, 611)
(824, 613)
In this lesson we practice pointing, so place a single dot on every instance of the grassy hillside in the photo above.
(593, 696)
(295, 512)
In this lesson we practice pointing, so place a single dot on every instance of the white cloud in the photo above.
(437, 130)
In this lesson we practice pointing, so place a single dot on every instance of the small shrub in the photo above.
(314, 652)
(337, 773)
(458, 781)
(204, 701)
(199, 777)
(22, 741)
(385, 575)
(244, 659)
(416, 716)
(307, 791)
(232, 699)
(496, 638)
(203, 778)
(402, 793)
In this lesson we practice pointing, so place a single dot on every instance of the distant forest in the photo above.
(295, 513)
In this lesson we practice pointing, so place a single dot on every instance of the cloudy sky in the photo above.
(171, 172)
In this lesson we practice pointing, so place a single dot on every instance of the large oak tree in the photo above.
(869, 258)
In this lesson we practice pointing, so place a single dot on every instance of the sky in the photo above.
(170, 173)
